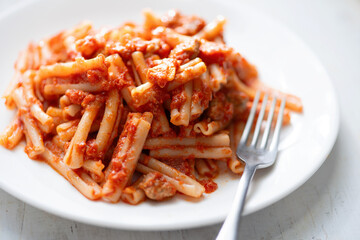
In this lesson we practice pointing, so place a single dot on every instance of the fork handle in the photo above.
(230, 228)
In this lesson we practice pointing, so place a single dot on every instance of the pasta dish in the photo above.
(135, 112)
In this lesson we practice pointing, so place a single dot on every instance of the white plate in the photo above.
(283, 61)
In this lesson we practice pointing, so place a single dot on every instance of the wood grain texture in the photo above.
(325, 207)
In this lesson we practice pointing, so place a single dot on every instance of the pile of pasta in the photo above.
(136, 111)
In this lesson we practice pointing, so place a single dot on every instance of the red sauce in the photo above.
(164, 72)
(118, 81)
(146, 160)
(126, 48)
(187, 131)
(209, 185)
(156, 186)
(97, 75)
(89, 46)
(178, 98)
(76, 96)
(180, 165)
(164, 49)
(187, 25)
(185, 51)
(155, 95)
(152, 61)
(53, 148)
(247, 72)
(92, 149)
(120, 167)
(220, 108)
(211, 52)
(88, 99)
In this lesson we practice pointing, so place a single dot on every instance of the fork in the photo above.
(255, 157)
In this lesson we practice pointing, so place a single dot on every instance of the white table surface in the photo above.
(325, 207)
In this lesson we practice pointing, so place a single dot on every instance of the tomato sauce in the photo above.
(209, 185)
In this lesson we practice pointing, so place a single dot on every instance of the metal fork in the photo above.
(255, 157)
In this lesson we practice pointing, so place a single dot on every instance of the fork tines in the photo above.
(270, 116)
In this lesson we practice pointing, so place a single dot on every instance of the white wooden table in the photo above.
(325, 207)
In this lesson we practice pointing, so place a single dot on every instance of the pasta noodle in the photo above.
(135, 112)
(192, 152)
(126, 154)
(207, 168)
